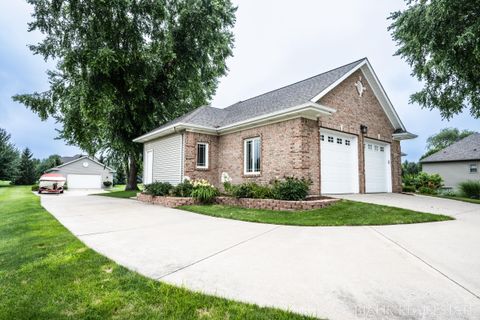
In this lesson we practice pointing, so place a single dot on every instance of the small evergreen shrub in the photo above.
(107, 183)
(431, 181)
(427, 190)
(291, 189)
(35, 187)
(251, 190)
(203, 191)
(407, 188)
(158, 188)
(470, 189)
(183, 189)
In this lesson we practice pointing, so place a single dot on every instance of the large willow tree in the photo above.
(124, 67)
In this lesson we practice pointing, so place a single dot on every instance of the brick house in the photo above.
(338, 129)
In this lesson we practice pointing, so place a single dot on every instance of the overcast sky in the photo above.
(277, 43)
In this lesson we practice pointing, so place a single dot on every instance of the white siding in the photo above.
(167, 158)
(93, 169)
(452, 172)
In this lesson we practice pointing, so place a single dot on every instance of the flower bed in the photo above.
(269, 204)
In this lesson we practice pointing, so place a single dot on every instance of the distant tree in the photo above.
(26, 170)
(125, 67)
(440, 40)
(410, 168)
(443, 139)
(8, 157)
(47, 163)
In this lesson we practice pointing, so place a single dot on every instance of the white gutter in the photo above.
(404, 136)
(308, 110)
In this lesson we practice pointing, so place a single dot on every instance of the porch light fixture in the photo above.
(363, 129)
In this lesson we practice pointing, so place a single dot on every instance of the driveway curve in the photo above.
(429, 270)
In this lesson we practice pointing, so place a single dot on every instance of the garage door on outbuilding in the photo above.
(339, 162)
(84, 181)
(378, 177)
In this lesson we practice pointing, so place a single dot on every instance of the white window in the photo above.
(347, 142)
(322, 137)
(330, 139)
(376, 148)
(369, 147)
(382, 149)
(339, 140)
(252, 155)
(202, 155)
(473, 168)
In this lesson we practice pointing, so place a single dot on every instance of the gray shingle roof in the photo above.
(466, 149)
(276, 100)
(68, 159)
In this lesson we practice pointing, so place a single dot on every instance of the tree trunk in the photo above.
(132, 175)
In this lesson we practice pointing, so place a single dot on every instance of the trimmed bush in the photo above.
(431, 181)
(158, 188)
(408, 189)
(35, 187)
(291, 189)
(107, 183)
(183, 189)
(251, 190)
(427, 190)
(470, 189)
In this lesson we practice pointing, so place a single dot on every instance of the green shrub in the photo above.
(251, 190)
(203, 191)
(431, 181)
(408, 188)
(107, 183)
(65, 187)
(470, 189)
(408, 180)
(158, 188)
(35, 187)
(183, 189)
(427, 190)
(291, 189)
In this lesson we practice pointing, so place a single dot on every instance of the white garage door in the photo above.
(84, 181)
(339, 162)
(378, 175)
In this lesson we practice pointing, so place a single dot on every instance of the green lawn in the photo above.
(118, 191)
(458, 198)
(343, 213)
(47, 273)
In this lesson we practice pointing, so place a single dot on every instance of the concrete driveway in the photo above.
(429, 271)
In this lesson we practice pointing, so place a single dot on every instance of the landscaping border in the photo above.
(266, 204)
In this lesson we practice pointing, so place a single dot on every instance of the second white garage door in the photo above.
(339, 162)
(84, 181)
(378, 176)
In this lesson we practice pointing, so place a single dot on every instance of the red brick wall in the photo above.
(288, 148)
(190, 165)
(292, 147)
(353, 111)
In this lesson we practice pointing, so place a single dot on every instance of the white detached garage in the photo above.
(84, 172)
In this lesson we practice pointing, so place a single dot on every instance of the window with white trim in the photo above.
(202, 155)
(252, 155)
(347, 142)
(382, 149)
(330, 139)
(322, 137)
(473, 168)
(376, 148)
(339, 140)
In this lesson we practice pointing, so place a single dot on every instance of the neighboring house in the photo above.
(456, 163)
(83, 172)
(338, 129)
